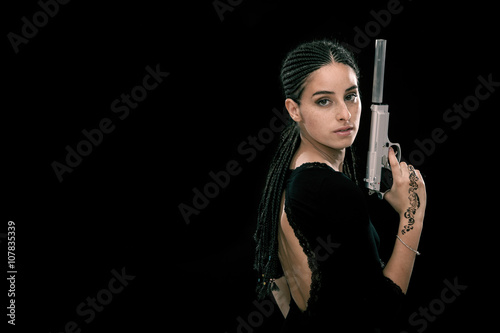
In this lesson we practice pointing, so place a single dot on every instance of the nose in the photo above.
(343, 114)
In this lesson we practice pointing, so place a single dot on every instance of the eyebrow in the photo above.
(331, 92)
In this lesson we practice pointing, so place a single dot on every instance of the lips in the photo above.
(343, 129)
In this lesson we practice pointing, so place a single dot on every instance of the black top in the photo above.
(349, 292)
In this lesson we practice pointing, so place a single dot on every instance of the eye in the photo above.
(351, 97)
(323, 102)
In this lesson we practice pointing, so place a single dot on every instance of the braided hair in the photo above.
(296, 68)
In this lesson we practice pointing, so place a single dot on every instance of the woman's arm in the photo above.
(408, 197)
(400, 265)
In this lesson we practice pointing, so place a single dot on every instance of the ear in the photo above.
(293, 110)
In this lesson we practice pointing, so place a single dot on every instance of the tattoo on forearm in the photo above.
(414, 201)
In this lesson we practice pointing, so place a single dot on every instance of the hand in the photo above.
(407, 195)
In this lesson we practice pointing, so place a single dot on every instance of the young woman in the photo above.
(317, 251)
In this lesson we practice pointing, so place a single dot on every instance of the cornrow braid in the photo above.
(296, 68)
(266, 235)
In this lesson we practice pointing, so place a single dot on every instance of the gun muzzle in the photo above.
(378, 73)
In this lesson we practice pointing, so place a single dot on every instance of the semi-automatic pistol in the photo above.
(378, 171)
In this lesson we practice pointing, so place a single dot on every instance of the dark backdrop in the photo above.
(117, 212)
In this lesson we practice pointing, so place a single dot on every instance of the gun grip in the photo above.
(386, 174)
(386, 180)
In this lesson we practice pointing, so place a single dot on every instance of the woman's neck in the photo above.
(313, 151)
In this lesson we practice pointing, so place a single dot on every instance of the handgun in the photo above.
(378, 171)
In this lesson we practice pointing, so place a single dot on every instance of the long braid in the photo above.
(296, 68)
(266, 260)
(350, 167)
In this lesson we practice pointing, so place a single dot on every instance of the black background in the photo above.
(119, 207)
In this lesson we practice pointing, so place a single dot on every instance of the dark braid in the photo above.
(296, 68)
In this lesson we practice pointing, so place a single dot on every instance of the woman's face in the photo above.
(330, 107)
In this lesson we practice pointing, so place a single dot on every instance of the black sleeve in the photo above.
(329, 214)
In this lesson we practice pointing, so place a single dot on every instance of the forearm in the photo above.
(400, 266)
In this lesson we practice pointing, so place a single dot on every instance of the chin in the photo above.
(342, 143)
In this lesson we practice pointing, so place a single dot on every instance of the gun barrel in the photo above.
(378, 72)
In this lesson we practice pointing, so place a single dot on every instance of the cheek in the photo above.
(355, 111)
(319, 124)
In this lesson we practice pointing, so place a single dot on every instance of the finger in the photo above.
(411, 169)
(419, 175)
(404, 169)
(393, 161)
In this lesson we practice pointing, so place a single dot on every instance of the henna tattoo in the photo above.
(414, 201)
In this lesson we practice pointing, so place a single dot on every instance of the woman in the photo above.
(317, 251)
